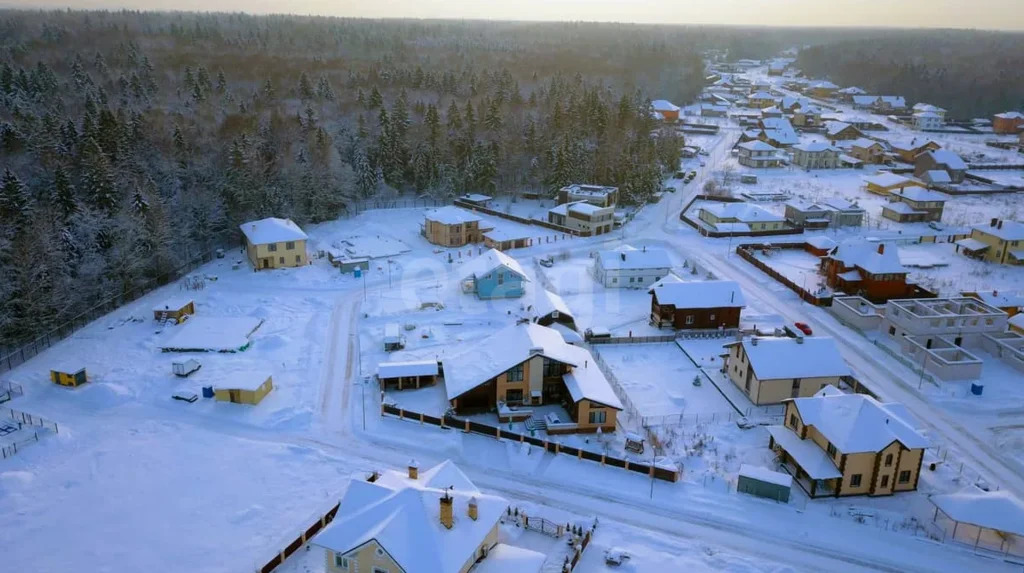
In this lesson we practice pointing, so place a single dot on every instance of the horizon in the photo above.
(985, 15)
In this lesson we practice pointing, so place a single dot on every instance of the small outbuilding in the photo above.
(982, 519)
(245, 388)
(404, 375)
(177, 309)
(393, 339)
(763, 482)
(67, 377)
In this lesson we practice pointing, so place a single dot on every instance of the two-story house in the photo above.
(867, 150)
(628, 267)
(740, 217)
(668, 111)
(941, 160)
(872, 271)
(451, 226)
(584, 217)
(759, 154)
(599, 195)
(1000, 242)
(838, 444)
(914, 204)
(1009, 122)
(696, 305)
(770, 370)
(494, 275)
(274, 243)
(815, 155)
(841, 131)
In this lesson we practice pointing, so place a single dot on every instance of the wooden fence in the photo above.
(470, 426)
(300, 540)
(744, 251)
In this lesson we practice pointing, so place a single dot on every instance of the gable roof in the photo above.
(272, 230)
(775, 358)
(865, 256)
(742, 212)
(836, 127)
(548, 302)
(815, 147)
(629, 258)
(889, 179)
(489, 261)
(948, 158)
(937, 176)
(403, 516)
(700, 294)
(1010, 115)
(780, 129)
(664, 105)
(450, 215)
(757, 145)
(857, 423)
(920, 194)
(1010, 231)
(840, 204)
(865, 143)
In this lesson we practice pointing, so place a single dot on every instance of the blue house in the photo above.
(494, 275)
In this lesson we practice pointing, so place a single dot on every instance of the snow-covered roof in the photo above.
(927, 107)
(742, 212)
(700, 294)
(834, 127)
(1000, 299)
(1017, 321)
(1010, 115)
(757, 145)
(501, 235)
(937, 176)
(212, 333)
(589, 190)
(857, 423)
(927, 114)
(972, 244)
(670, 278)
(811, 458)
(504, 558)
(901, 208)
(1008, 231)
(243, 381)
(476, 197)
(664, 105)
(761, 95)
(272, 230)
(825, 84)
(920, 194)
(852, 90)
(840, 204)
(889, 179)
(489, 261)
(548, 302)
(408, 368)
(999, 510)
(403, 516)
(450, 215)
(820, 242)
(865, 255)
(633, 259)
(948, 158)
(173, 303)
(585, 208)
(587, 382)
(815, 147)
(766, 475)
(775, 358)
(865, 143)
(780, 129)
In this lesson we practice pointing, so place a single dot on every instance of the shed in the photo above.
(245, 388)
(393, 339)
(763, 482)
(411, 374)
(176, 309)
(990, 520)
(68, 377)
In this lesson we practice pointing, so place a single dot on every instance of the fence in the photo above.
(449, 421)
(744, 251)
(516, 218)
(357, 207)
(760, 412)
(23, 419)
(904, 361)
(69, 327)
(10, 391)
(300, 540)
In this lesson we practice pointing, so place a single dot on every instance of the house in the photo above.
(927, 120)
(885, 182)
(532, 365)
(842, 213)
(345, 262)
(72, 377)
(819, 245)
(1009, 122)
(777, 131)
(941, 160)
(505, 240)
(867, 150)
(584, 217)
(907, 151)
(879, 104)
(177, 308)
(770, 370)
(742, 217)
(630, 267)
(914, 204)
(822, 89)
(435, 521)
(759, 154)
(841, 131)
(777, 68)
(846, 94)
(274, 243)
(1000, 242)
(713, 110)
(761, 99)
(834, 212)
(407, 374)
(838, 444)
(928, 108)
(936, 178)
(493, 275)
(806, 215)
(599, 195)
(815, 155)
(669, 111)
(771, 112)
(476, 199)
(872, 271)
(550, 310)
(1016, 323)
(808, 116)
(244, 388)
(697, 305)
(451, 226)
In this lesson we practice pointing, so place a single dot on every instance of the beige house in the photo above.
(1000, 242)
(274, 243)
(914, 204)
(848, 444)
(740, 217)
(582, 216)
(435, 521)
(450, 226)
(815, 155)
(771, 370)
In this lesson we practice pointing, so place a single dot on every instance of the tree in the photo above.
(14, 200)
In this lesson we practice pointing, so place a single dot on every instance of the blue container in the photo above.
(207, 391)
(976, 388)
(357, 272)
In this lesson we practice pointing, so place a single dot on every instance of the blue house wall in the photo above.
(502, 282)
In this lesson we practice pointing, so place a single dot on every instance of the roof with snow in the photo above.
(815, 147)
(761, 95)
(775, 358)
(901, 208)
(408, 368)
(840, 204)
(1017, 321)
(835, 127)
(927, 114)
(889, 179)
(927, 107)
(664, 105)
(852, 90)
(948, 158)
(820, 242)
(1009, 231)
(919, 194)
(548, 302)
(998, 510)
(633, 259)
(757, 145)
(865, 255)
(502, 235)
(824, 84)
(173, 303)
(937, 176)
(865, 143)
(700, 294)
(670, 278)
(403, 516)
(476, 197)
(245, 380)
(742, 212)
(811, 458)
(780, 129)
(504, 558)
(1000, 299)
(272, 230)
(450, 215)
(589, 190)
(766, 475)
(489, 261)
(1010, 115)
(857, 423)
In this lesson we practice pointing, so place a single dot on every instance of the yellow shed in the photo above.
(71, 378)
(249, 388)
(176, 309)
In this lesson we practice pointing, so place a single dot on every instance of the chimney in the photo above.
(447, 519)
(645, 248)
(995, 293)
(414, 470)
(1000, 225)
(993, 222)
(471, 511)
(623, 255)
(373, 476)
(881, 248)
(536, 350)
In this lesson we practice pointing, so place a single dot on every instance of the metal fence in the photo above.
(25, 419)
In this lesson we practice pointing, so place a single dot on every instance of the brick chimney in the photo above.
(881, 248)
(414, 469)
(447, 518)
(471, 510)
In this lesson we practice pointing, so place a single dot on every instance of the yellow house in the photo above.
(274, 243)
(177, 309)
(246, 388)
(771, 370)
(450, 226)
(73, 378)
(532, 365)
(435, 521)
(1000, 242)
(886, 182)
(848, 444)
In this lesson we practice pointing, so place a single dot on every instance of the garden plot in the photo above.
(797, 265)
(938, 267)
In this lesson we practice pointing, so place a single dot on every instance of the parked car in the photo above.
(803, 328)
(615, 556)
(693, 173)
(547, 261)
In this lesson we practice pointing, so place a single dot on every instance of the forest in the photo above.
(970, 73)
(131, 142)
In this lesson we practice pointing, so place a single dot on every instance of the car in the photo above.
(547, 261)
(703, 152)
(679, 175)
(803, 328)
(693, 173)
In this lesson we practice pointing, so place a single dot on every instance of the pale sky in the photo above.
(988, 14)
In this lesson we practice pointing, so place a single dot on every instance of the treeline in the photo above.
(130, 142)
(970, 73)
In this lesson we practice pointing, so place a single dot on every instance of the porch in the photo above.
(805, 461)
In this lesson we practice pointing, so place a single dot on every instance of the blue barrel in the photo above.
(207, 391)
(357, 272)
(976, 388)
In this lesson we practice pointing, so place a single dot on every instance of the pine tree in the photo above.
(433, 122)
(493, 120)
(222, 82)
(97, 178)
(376, 100)
(305, 87)
(64, 194)
(14, 200)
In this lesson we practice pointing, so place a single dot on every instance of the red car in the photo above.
(803, 328)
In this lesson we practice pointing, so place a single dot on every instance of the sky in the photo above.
(986, 14)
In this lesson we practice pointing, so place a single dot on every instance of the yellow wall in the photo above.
(445, 235)
(583, 414)
(996, 251)
(294, 257)
(770, 391)
(534, 365)
(246, 396)
(364, 558)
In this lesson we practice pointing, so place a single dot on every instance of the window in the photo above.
(290, 245)
(831, 450)
(892, 331)
(340, 561)
(794, 390)
(380, 570)
(272, 247)
(615, 280)
(904, 476)
(501, 278)
(631, 279)
(280, 260)
(885, 481)
(792, 421)
(514, 395)
(552, 369)
(712, 317)
(515, 374)
(888, 460)
(689, 319)
(855, 480)
(298, 258)
(380, 552)
(598, 416)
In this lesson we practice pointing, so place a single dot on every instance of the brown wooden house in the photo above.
(868, 270)
(697, 305)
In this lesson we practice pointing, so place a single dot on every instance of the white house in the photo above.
(928, 120)
(629, 267)
(586, 218)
